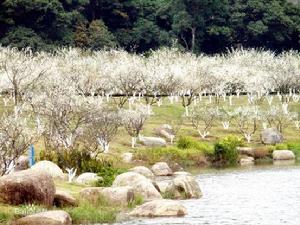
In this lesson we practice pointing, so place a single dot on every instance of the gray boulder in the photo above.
(153, 141)
(141, 185)
(271, 136)
(143, 171)
(161, 169)
(283, 155)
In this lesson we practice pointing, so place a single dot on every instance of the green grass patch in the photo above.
(87, 213)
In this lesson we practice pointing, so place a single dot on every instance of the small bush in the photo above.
(226, 150)
(281, 147)
(295, 147)
(190, 143)
(108, 173)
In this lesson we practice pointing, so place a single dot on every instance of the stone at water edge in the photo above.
(56, 217)
(159, 208)
(283, 155)
(64, 199)
(161, 169)
(143, 171)
(140, 184)
(184, 187)
(27, 187)
(113, 195)
(50, 168)
(153, 141)
(87, 178)
(246, 161)
(271, 136)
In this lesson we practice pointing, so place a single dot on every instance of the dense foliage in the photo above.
(139, 25)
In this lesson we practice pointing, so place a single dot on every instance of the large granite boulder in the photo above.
(22, 163)
(87, 178)
(283, 155)
(153, 141)
(27, 186)
(141, 185)
(50, 168)
(64, 199)
(57, 217)
(271, 136)
(112, 195)
(143, 171)
(187, 186)
(161, 169)
(159, 208)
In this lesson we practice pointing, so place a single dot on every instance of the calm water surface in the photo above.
(254, 196)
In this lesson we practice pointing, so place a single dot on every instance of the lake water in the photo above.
(253, 196)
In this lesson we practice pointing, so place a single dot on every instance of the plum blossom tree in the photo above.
(21, 71)
(134, 121)
(246, 119)
(16, 136)
(203, 118)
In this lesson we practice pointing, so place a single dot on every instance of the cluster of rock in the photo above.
(36, 186)
(147, 183)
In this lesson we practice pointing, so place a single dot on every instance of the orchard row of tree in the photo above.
(208, 26)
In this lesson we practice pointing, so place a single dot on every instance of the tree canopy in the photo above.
(208, 26)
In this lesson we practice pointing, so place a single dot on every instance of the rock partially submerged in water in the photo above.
(187, 186)
(140, 184)
(56, 217)
(247, 161)
(283, 155)
(159, 208)
(161, 169)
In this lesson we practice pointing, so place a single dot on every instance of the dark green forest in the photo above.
(208, 26)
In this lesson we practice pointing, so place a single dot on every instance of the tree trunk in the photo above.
(193, 38)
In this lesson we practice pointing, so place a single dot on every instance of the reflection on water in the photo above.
(253, 196)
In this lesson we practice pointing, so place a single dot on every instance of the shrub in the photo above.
(80, 160)
(295, 147)
(281, 147)
(108, 173)
(190, 143)
(226, 150)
